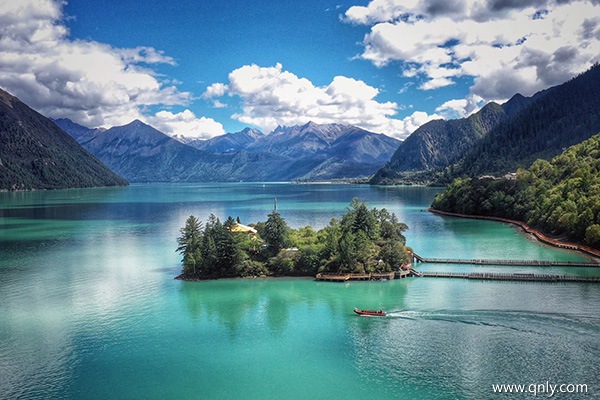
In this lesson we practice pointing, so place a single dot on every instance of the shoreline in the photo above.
(538, 235)
(4, 190)
(264, 277)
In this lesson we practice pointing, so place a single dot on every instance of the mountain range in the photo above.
(307, 152)
(37, 154)
(499, 138)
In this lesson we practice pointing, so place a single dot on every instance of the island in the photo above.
(363, 241)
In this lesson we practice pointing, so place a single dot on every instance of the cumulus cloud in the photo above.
(460, 108)
(215, 90)
(185, 123)
(272, 96)
(92, 83)
(507, 46)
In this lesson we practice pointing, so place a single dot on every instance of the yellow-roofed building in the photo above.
(240, 228)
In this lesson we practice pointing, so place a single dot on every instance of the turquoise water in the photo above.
(89, 308)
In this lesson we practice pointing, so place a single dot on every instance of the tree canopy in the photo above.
(364, 240)
(560, 197)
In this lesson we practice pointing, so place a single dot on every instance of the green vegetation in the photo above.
(561, 197)
(362, 241)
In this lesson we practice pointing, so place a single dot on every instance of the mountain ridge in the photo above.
(560, 197)
(440, 143)
(304, 152)
(36, 154)
(560, 117)
(524, 130)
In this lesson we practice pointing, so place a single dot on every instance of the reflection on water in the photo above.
(231, 302)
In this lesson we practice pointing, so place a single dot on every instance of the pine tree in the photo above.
(276, 233)
(189, 242)
(227, 249)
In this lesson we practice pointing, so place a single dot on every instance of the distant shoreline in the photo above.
(180, 277)
(539, 235)
(4, 190)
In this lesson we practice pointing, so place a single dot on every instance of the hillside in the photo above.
(560, 197)
(439, 143)
(499, 139)
(566, 115)
(36, 154)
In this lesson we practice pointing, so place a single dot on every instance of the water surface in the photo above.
(89, 308)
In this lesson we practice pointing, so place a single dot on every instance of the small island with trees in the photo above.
(362, 241)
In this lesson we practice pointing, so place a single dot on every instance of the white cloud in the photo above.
(185, 124)
(215, 90)
(460, 108)
(218, 104)
(415, 120)
(436, 83)
(271, 97)
(507, 46)
(379, 11)
(92, 83)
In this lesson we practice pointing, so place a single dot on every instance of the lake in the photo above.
(89, 308)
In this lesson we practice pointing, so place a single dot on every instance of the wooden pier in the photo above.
(357, 277)
(511, 277)
(403, 273)
(489, 276)
(519, 263)
(407, 271)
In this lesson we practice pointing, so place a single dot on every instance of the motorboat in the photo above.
(370, 313)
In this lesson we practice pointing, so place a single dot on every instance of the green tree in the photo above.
(227, 250)
(210, 258)
(592, 235)
(189, 242)
(276, 233)
(560, 197)
(359, 218)
(394, 255)
(347, 252)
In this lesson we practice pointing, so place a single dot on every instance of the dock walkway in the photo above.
(407, 271)
(520, 263)
(360, 277)
(511, 277)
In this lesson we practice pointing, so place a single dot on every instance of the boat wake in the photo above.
(406, 314)
(507, 319)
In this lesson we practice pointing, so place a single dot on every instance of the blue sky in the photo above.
(202, 68)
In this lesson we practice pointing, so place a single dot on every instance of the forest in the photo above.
(363, 241)
(560, 197)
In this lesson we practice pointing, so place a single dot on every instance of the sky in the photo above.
(203, 68)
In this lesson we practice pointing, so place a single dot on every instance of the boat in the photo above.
(370, 313)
